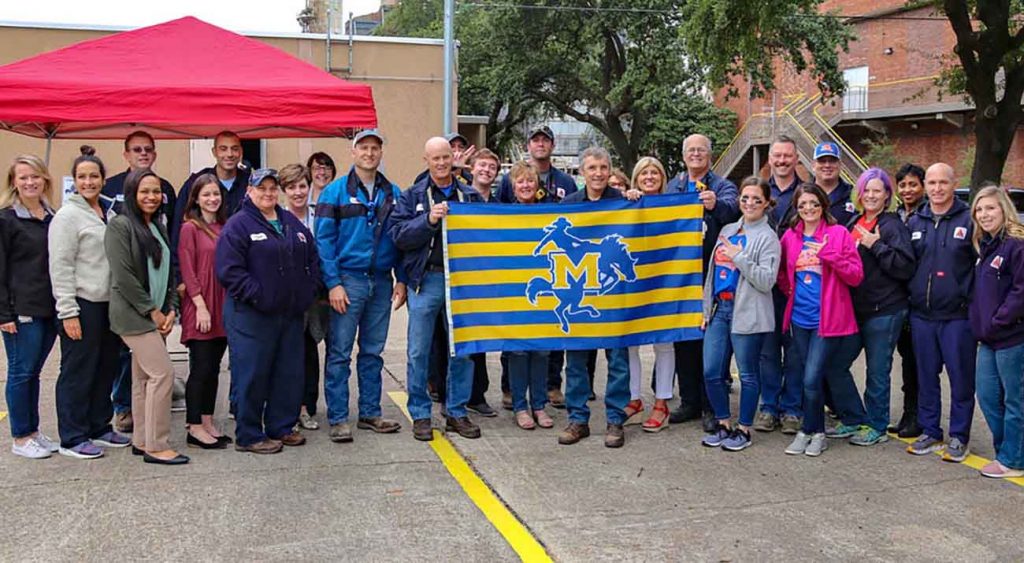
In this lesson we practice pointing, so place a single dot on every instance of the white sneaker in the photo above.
(799, 444)
(818, 444)
(47, 442)
(31, 449)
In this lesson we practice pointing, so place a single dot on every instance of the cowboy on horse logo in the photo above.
(579, 268)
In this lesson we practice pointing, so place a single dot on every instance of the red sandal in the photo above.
(654, 423)
(634, 412)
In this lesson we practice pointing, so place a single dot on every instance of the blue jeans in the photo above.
(425, 304)
(781, 381)
(528, 370)
(1001, 397)
(813, 352)
(577, 385)
(368, 316)
(26, 353)
(846, 400)
(719, 345)
(879, 335)
(122, 394)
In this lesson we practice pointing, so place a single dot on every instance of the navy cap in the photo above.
(542, 130)
(257, 176)
(826, 149)
(452, 136)
(367, 133)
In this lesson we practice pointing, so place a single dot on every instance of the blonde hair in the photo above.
(643, 164)
(524, 168)
(291, 174)
(9, 196)
(1011, 223)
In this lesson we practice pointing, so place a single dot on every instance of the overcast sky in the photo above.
(235, 15)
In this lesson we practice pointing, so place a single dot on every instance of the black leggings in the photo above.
(204, 357)
(311, 363)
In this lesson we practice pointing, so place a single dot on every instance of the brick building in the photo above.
(890, 72)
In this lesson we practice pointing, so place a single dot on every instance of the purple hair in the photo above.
(874, 174)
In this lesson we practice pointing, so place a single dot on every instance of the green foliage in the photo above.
(881, 153)
(414, 18)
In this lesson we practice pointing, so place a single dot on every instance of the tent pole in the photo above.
(49, 141)
(449, 52)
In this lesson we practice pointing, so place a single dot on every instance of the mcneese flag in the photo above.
(573, 276)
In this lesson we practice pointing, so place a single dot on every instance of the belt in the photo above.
(726, 296)
(433, 268)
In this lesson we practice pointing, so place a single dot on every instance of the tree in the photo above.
(639, 71)
(990, 51)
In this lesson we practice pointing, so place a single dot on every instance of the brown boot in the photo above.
(293, 439)
(556, 398)
(614, 437)
(421, 430)
(463, 426)
(379, 424)
(123, 422)
(573, 433)
(265, 447)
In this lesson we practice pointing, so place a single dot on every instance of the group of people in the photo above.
(800, 277)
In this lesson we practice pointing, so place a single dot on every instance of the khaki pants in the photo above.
(152, 383)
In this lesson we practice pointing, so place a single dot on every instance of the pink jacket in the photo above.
(841, 269)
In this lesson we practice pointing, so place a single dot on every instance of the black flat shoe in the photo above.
(192, 441)
(225, 440)
(176, 460)
(137, 451)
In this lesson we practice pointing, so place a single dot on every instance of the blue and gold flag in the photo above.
(576, 276)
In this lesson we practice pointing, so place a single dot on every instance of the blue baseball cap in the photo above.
(257, 176)
(367, 133)
(826, 149)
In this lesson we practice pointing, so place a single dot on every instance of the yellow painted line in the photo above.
(3, 415)
(511, 528)
(972, 461)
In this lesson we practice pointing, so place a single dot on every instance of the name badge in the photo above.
(119, 197)
(916, 235)
(997, 262)
(960, 233)
(258, 236)
(24, 320)
(419, 208)
(356, 200)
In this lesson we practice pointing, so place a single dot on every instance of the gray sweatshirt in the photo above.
(758, 263)
(78, 259)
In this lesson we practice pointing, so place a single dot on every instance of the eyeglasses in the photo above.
(143, 150)
(321, 168)
(809, 205)
(696, 150)
(751, 199)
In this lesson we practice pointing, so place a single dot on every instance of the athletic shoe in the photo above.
(31, 449)
(178, 405)
(868, 436)
(925, 444)
(482, 409)
(47, 442)
(112, 440)
(715, 439)
(799, 444)
(85, 450)
(791, 424)
(996, 470)
(841, 431)
(766, 422)
(738, 440)
(817, 445)
(956, 451)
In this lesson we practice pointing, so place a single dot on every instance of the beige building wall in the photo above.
(405, 74)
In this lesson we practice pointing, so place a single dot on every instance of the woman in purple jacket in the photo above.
(997, 319)
(819, 265)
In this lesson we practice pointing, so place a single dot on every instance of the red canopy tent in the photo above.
(180, 79)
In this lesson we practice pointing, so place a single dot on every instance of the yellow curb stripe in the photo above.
(972, 461)
(3, 415)
(508, 525)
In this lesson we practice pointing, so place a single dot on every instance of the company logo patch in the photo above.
(849, 207)
(579, 268)
(560, 192)
(997, 262)
(419, 208)
(916, 235)
(302, 237)
(960, 233)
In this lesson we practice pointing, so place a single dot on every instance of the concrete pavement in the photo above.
(386, 498)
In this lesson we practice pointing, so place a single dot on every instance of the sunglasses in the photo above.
(143, 150)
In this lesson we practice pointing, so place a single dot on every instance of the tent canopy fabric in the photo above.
(178, 80)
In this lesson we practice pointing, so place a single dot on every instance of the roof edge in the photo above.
(266, 34)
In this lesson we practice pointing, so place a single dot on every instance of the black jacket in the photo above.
(24, 266)
(888, 266)
(941, 287)
(113, 188)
